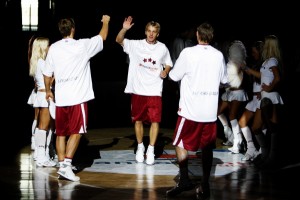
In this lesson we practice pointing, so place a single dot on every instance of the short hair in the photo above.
(205, 32)
(154, 24)
(65, 26)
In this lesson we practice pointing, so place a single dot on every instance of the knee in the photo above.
(266, 107)
(265, 102)
(242, 122)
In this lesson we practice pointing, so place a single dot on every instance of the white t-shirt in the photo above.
(146, 61)
(69, 61)
(200, 69)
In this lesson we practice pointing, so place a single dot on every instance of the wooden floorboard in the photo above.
(22, 180)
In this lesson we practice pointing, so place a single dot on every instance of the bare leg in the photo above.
(67, 150)
(72, 145)
(182, 159)
(237, 133)
(139, 131)
(223, 119)
(184, 183)
(154, 129)
(61, 147)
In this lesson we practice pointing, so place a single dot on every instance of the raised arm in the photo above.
(127, 24)
(104, 30)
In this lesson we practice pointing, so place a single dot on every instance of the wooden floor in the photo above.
(22, 180)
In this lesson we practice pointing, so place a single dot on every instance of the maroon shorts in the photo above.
(191, 135)
(71, 119)
(146, 108)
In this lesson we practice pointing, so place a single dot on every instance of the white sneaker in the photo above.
(250, 154)
(55, 158)
(74, 168)
(66, 172)
(59, 164)
(227, 143)
(229, 135)
(237, 145)
(46, 163)
(234, 150)
(150, 157)
(139, 155)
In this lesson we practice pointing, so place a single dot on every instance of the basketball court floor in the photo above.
(105, 163)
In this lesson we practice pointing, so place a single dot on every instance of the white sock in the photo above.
(68, 161)
(40, 138)
(61, 163)
(223, 120)
(49, 137)
(40, 141)
(236, 129)
(34, 123)
(150, 147)
(140, 145)
(48, 140)
(248, 136)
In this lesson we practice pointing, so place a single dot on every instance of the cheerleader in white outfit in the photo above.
(271, 101)
(43, 133)
(253, 105)
(234, 94)
(32, 97)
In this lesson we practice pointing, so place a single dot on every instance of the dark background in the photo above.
(241, 20)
